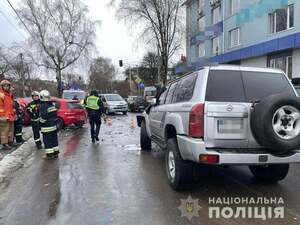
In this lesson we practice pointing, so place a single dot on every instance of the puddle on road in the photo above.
(131, 147)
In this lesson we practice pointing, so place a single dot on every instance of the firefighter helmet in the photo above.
(45, 95)
(35, 93)
(5, 82)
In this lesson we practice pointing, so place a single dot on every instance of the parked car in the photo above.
(114, 103)
(136, 103)
(23, 102)
(225, 115)
(69, 112)
(296, 83)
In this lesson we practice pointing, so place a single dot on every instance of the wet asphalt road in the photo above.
(113, 182)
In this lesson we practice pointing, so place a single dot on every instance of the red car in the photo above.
(23, 102)
(69, 112)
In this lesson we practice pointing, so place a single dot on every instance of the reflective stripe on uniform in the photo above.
(52, 109)
(35, 120)
(1, 110)
(49, 150)
(92, 103)
(48, 129)
(37, 140)
(42, 120)
(56, 149)
(19, 134)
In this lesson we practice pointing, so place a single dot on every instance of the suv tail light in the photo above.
(196, 123)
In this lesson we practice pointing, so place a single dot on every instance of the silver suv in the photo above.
(225, 115)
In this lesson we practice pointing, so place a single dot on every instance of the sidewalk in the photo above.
(27, 134)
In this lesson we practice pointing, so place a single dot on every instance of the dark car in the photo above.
(296, 83)
(136, 103)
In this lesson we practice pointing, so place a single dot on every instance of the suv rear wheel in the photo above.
(144, 138)
(179, 172)
(270, 173)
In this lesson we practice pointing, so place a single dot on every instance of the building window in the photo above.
(201, 4)
(283, 62)
(201, 50)
(216, 45)
(234, 37)
(234, 6)
(281, 19)
(216, 15)
(201, 23)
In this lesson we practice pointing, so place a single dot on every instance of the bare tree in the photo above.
(60, 31)
(161, 22)
(102, 73)
(5, 67)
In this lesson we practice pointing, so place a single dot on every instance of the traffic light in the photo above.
(121, 63)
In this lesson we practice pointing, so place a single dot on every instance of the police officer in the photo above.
(48, 114)
(94, 109)
(33, 108)
(18, 123)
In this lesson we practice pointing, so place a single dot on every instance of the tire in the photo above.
(270, 173)
(144, 138)
(60, 124)
(266, 118)
(182, 174)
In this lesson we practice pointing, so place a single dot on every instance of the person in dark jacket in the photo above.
(94, 107)
(33, 109)
(18, 123)
(48, 119)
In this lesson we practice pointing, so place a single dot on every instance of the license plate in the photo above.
(230, 126)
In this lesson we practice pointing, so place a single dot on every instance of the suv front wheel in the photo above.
(270, 173)
(179, 172)
(144, 138)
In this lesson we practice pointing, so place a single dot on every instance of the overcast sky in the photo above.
(114, 39)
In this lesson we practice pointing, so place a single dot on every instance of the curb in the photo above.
(15, 160)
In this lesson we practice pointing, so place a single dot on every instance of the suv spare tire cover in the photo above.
(275, 123)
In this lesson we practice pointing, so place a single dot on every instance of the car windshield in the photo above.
(71, 95)
(113, 98)
(150, 93)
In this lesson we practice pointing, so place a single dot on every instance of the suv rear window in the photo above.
(245, 86)
(74, 105)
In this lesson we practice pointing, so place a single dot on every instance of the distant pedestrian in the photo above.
(7, 115)
(48, 113)
(94, 107)
(33, 109)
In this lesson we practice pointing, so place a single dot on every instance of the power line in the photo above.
(19, 16)
(11, 23)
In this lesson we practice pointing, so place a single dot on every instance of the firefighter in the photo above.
(7, 115)
(48, 113)
(33, 108)
(18, 125)
(94, 109)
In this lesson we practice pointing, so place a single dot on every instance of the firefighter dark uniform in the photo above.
(94, 108)
(48, 119)
(18, 123)
(33, 109)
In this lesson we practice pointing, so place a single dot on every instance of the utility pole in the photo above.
(22, 73)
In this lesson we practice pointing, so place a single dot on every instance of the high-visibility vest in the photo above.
(92, 103)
